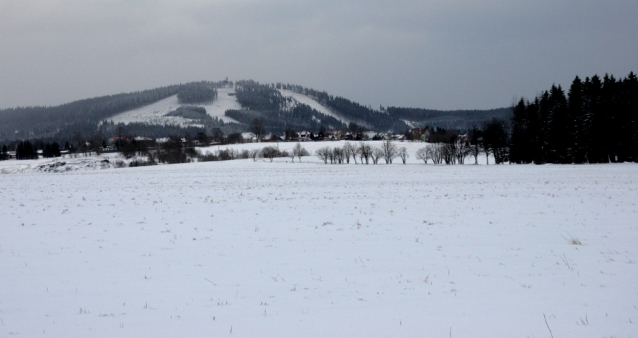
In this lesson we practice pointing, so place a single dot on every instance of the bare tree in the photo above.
(338, 155)
(254, 153)
(324, 154)
(349, 151)
(299, 151)
(423, 154)
(448, 151)
(292, 155)
(403, 154)
(331, 156)
(364, 151)
(475, 143)
(270, 152)
(436, 153)
(390, 151)
(463, 150)
(377, 153)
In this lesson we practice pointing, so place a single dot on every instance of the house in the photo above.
(249, 137)
(270, 138)
(333, 135)
(369, 135)
(142, 139)
(420, 134)
(305, 136)
(123, 139)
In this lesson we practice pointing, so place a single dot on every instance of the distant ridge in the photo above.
(231, 107)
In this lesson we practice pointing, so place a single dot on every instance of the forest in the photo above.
(595, 122)
(452, 119)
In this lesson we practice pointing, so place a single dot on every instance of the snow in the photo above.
(155, 113)
(65, 163)
(246, 249)
(224, 102)
(301, 98)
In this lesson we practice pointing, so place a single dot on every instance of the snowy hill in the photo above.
(156, 113)
(277, 106)
(301, 98)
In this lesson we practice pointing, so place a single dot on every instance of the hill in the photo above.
(229, 106)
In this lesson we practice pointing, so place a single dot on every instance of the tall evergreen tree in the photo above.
(519, 143)
(533, 132)
(558, 127)
(544, 115)
(629, 119)
(576, 119)
(595, 120)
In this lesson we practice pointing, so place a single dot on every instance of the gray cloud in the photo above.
(433, 54)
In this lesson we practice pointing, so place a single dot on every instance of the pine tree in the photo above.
(558, 127)
(595, 121)
(576, 119)
(519, 144)
(630, 118)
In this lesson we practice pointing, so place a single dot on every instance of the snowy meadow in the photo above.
(258, 249)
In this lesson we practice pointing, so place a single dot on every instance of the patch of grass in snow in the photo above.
(573, 240)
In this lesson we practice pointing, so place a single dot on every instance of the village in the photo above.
(116, 143)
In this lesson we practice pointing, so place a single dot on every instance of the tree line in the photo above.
(595, 122)
(198, 92)
(448, 119)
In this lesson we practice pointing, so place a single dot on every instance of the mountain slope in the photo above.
(231, 107)
(156, 113)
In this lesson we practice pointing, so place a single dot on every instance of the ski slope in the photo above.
(226, 100)
(155, 112)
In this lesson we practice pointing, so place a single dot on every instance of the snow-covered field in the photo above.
(155, 113)
(257, 249)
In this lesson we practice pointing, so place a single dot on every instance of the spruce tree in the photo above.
(519, 144)
(577, 147)
(558, 127)
(630, 117)
(595, 121)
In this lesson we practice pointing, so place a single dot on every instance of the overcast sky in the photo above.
(440, 54)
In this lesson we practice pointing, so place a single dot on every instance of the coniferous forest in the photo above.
(596, 121)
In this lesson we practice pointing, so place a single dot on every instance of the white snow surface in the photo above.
(224, 102)
(301, 98)
(259, 249)
(155, 113)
